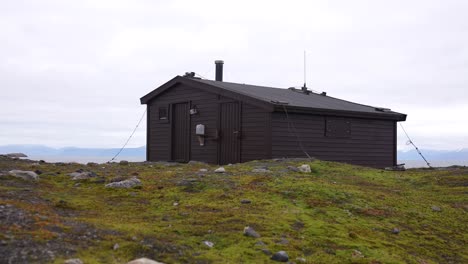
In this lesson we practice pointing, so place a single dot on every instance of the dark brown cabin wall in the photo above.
(160, 132)
(371, 142)
(255, 133)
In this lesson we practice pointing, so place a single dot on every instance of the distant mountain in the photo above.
(453, 155)
(39, 150)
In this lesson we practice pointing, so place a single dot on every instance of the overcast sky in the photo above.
(72, 72)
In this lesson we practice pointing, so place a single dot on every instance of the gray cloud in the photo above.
(71, 73)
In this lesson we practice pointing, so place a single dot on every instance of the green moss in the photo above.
(325, 215)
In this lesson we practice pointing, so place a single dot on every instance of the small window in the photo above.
(163, 113)
(337, 128)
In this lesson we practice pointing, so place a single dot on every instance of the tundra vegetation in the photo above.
(187, 213)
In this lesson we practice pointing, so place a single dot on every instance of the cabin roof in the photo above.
(288, 98)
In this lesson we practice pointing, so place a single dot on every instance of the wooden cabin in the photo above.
(222, 122)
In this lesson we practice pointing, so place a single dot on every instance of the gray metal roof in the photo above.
(296, 98)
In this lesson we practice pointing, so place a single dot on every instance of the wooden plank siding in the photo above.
(254, 126)
(160, 132)
(370, 143)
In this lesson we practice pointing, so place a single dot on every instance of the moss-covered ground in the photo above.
(338, 213)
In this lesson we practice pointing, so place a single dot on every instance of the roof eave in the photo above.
(319, 111)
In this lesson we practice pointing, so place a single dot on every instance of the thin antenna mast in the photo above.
(305, 67)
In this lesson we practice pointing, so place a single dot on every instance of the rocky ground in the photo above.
(298, 211)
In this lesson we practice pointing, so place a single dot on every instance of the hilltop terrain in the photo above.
(188, 213)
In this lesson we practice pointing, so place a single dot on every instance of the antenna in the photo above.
(305, 68)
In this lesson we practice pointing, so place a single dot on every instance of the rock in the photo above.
(116, 246)
(245, 201)
(282, 241)
(194, 162)
(266, 251)
(301, 260)
(73, 261)
(38, 172)
(261, 170)
(304, 168)
(16, 155)
(130, 183)
(81, 175)
(144, 261)
(118, 179)
(260, 244)
(25, 175)
(208, 243)
(400, 167)
(250, 232)
(203, 170)
(357, 254)
(291, 168)
(395, 231)
(220, 170)
(436, 208)
(123, 162)
(280, 256)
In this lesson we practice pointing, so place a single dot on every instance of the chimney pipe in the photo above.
(219, 70)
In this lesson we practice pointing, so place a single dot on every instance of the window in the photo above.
(163, 113)
(337, 127)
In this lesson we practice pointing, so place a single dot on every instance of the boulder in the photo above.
(25, 175)
(245, 201)
(220, 170)
(130, 183)
(280, 256)
(395, 231)
(203, 170)
(261, 170)
(81, 175)
(304, 168)
(123, 162)
(73, 261)
(250, 232)
(144, 261)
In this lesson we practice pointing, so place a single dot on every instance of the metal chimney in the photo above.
(219, 70)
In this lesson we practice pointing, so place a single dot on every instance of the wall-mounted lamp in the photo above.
(194, 110)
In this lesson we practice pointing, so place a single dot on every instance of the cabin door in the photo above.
(229, 133)
(180, 132)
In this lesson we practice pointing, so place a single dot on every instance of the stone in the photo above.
(81, 175)
(250, 232)
(38, 172)
(208, 243)
(194, 162)
(260, 244)
(280, 256)
(130, 183)
(123, 162)
(116, 246)
(266, 251)
(220, 170)
(16, 155)
(245, 201)
(436, 208)
(291, 168)
(357, 254)
(261, 170)
(282, 241)
(400, 167)
(203, 170)
(144, 261)
(73, 261)
(25, 175)
(301, 260)
(304, 168)
(396, 231)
